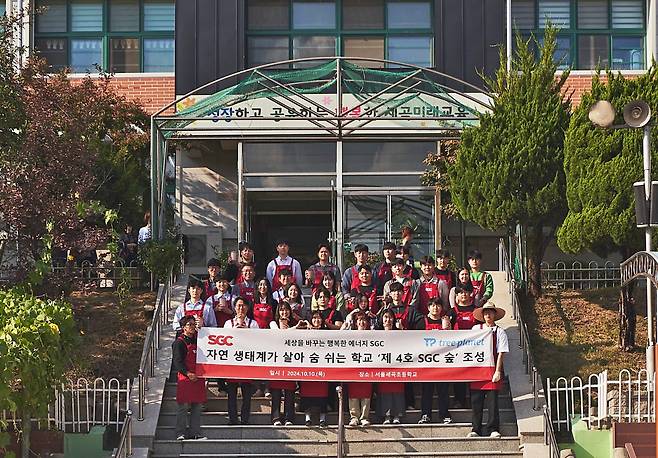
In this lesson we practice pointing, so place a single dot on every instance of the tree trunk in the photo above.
(536, 242)
(627, 318)
(26, 426)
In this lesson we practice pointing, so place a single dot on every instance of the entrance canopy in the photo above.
(329, 99)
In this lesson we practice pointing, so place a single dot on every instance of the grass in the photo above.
(576, 333)
(111, 337)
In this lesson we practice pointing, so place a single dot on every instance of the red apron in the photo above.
(208, 290)
(446, 276)
(263, 315)
(488, 384)
(384, 274)
(372, 297)
(328, 318)
(478, 288)
(359, 390)
(276, 284)
(222, 317)
(188, 391)
(314, 389)
(355, 278)
(193, 313)
(465, 319)
(403, 316)
(428, 290)
(406, 292)
(319, 273)
(408, 272)
(431, 326)
(246, 291)
(282, 385)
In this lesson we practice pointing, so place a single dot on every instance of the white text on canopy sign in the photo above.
(375, 356)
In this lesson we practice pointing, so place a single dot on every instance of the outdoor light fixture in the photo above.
(637, 115)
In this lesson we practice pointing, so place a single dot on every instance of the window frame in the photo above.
(340, 34)
(105, 35)
(573, 33)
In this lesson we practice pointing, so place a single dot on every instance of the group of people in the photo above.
(392, 295)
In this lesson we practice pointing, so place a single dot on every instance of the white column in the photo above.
(340, 223)
(240, 193)
(652, 31)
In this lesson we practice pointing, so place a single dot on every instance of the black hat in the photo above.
(214, 262)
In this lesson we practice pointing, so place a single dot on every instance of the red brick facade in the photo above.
(150, 91)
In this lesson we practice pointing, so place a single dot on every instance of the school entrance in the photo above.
(330, 151)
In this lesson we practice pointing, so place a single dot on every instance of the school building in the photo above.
(313, 149)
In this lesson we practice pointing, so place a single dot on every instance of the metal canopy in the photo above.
(316, 98)
(643, 264)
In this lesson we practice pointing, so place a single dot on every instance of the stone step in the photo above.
(328, 446)
(467, 454)
(262, 404)
(168, 417)
(351, 433)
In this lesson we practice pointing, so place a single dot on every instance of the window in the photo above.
(606, 33)
(121, 36)
(280, 30)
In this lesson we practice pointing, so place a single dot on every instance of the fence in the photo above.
(627, 399)
(104, 274)
(81, 404)
(578, 276)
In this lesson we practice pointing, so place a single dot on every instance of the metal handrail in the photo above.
(341, 423)
(125, 447)
(549, 435)
(152, 342)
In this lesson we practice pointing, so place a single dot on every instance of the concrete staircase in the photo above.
(262, 439)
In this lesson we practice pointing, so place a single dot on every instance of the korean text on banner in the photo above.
(376, 356)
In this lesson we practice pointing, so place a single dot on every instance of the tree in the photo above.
(52, 154)
(601, 166)
(36, 339)
(508, 169)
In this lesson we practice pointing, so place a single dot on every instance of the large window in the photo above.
(120, 36)
(605, 33)
(397, 30)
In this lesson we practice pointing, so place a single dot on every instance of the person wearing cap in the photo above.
(351, 275)
(483, 285)
(195, 307)
(488, 390)
(283, 261)
(383, 272)
(315, 273)
(210, 284)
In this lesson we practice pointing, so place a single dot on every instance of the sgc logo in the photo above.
(220, 340)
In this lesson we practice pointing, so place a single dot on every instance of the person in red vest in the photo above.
(351, 275)
(264, 305)
(332, 317)
(190, 389)
(337, 300)
(233, 269)
(430, 287)
(285, 280)
(437, 318)
(283, 321)
(483, 285)
(443, 272)
(246, 287)
(489, 313)
(315, 273)
(462, 318)
(409, 286)
(195, 307)
(283, 261)
(222, 302)
(391, 405)
(383, 272)
(360, 392)
(210, 284)
(365, 287)
(240, 320)
(315, 394)
(363, 304)
(409, 270)
(463, 282)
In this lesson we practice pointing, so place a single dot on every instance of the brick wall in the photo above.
(152, 92)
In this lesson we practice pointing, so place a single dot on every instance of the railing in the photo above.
(549, 435)
(82, 404)
(125, 447)
(152, 342)
(340, 436)
(627, 399)
(104, 274)
(578, 276)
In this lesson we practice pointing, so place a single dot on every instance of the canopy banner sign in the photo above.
(356, 356)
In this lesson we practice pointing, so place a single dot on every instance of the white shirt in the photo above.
(208, 313)
(144, 234)
(502, 343)
(250, 323)
(230, 298)
(287, 261)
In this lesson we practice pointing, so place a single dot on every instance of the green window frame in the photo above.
(588, 46)
(65, 39)
(342, 35)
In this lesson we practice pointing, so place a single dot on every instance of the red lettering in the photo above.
(220, 340)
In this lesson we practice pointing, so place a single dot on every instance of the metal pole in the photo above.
(241, 230)
(341, 426)
(508, 33)
(646, 153)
